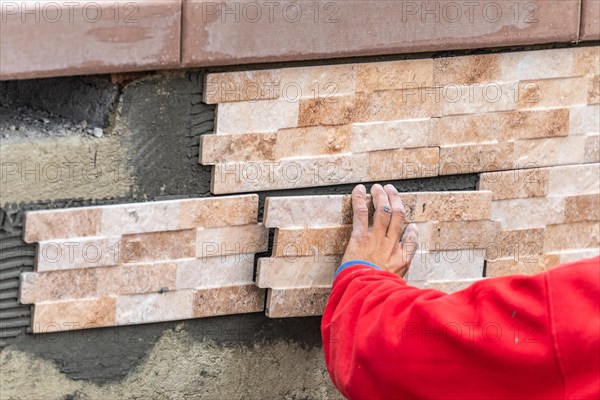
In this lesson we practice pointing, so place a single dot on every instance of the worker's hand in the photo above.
(391, 243)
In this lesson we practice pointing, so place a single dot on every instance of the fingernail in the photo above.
(362, 188)
(392, 187)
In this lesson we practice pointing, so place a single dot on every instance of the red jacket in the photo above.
(515, 337)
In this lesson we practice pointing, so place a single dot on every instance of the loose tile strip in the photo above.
(548, 216)
(402, 119)
(141, 263)
(311, 233)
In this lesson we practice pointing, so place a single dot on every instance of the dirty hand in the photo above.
(390, 243)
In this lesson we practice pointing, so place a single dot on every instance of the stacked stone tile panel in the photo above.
(311, 233)
(146, 262)
(547, 216)
(402, 119)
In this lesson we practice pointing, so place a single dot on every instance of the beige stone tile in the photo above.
(240, 239)
(576, 255)
(262, 116)
(584, 120)
(572, 180)
(297, 272)
(586, 59)
(446, 265)
(312, 141)
(594, 90)
(73, 314)
(61, 224)
(336, 110)
(536, 124)
(467, 129)
(409, 200)
(228, 300)
(324, 81)
(398, 105)
(403, 164)
(476, 158)
(289, 173)
(533, 212)
(516, 243)
(468, 70)
(528, 265)
(77, 253)
(498, 127)
(514, 66)
(592, 149)
(214, 272)
(478, 98)
(98, 282)
(582, 208)
(133, 218)
(214, 212)
(373, 136)
(550, 151)
(391, 75)
(563, 92)
(242, 86)
(452, 206)
(542, 64)
(461, 235)
(154, 307)
(445, 286)
(516, 184)
(303, 211)
(366, 107)
(37, 287)
(241, 147)
(137, 278)
(158, 246)
(316, 242)
(300, 302)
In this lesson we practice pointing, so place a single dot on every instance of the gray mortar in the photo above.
(76, 98)
(166, 116)
(26, 123)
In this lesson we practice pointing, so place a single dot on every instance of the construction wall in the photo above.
(495, 152)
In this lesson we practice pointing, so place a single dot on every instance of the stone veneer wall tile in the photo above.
(407, 118)
(543, 228)
(312, 232)
(163, 261)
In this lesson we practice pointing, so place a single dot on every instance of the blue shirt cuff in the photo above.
(352, 263)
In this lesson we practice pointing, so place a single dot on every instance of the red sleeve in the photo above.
(523, 337)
